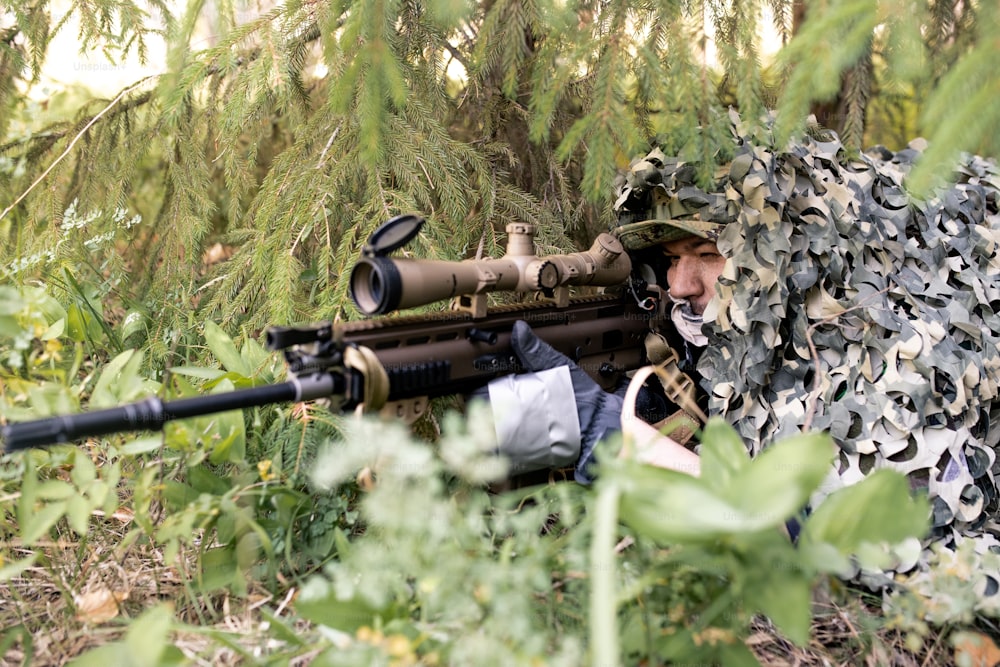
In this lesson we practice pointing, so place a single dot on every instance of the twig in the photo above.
(932, 649)
(72, 143)
(329, 142)
(284, 603)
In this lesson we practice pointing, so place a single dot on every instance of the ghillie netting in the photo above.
(849, 306)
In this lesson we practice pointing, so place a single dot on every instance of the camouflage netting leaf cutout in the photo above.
(847, 306)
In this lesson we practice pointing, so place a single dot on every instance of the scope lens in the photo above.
(375, 285)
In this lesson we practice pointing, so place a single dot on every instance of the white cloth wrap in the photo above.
(688, 324)
(536, 420)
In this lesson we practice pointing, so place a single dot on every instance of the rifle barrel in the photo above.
(152, 413)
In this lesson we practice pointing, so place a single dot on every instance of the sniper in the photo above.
(808, 290)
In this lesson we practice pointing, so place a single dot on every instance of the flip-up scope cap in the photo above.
(392, 235)
(375, 284)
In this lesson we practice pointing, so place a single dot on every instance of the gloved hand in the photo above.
(553, 415)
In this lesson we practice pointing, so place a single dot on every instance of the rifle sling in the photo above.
(679, 389)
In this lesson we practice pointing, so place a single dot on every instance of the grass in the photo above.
(82, 595)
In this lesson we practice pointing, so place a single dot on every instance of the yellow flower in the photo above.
(52, 349)
(264, 468)
(398, 646)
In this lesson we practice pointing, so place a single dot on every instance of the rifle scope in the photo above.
(381, 284)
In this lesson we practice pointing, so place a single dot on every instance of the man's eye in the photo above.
(709, 255)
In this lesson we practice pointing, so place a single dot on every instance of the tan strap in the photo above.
(363, 360)
(658, 349)
(679, 389)
(677, 385)
(679, 427)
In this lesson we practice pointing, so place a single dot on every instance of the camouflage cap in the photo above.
(658, 201)
(647, 233)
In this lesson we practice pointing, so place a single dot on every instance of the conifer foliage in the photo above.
(287, 131)
(303, 125)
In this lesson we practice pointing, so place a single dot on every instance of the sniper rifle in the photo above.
(396, 364)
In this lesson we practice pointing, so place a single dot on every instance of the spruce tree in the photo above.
(300, 126)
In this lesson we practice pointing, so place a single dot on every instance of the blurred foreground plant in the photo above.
(447, 573)
(713, 551)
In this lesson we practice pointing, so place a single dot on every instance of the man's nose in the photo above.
(684, 279)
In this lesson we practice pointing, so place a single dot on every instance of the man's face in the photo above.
(694, 266)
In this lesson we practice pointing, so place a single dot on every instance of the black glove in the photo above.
(651, 405)
(533, 430)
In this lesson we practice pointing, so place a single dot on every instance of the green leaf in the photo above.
(55, 330)
(824, 557)
(250, 546)
(83, 472)
(669, 506)
(318, 602)
(148, 636)
(232, 448)
(98, 493)
(121, 371)
(103, 656)
(89, 302)
(178, 496)
(39, 523)
(11, 570)
(879, 508)
(54, 489)
(254, 354)
(82, 324)
(230, 428)
(203, 480)
(680, 648)
(224, 349)
(142, 445)
(76, 323)
(52, 400)
(737, 655)
(78, 514)
(219, 568)
(225, 525)
(342, 543)
(198, 372)
(778, 483)
(873, 556)
(742, 498)
(780, 589)
(184, 388)
(232, 380)
(133, 322)
(723, 453)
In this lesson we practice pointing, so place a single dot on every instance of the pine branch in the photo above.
(69, 148)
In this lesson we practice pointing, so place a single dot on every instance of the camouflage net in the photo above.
(847, 306)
